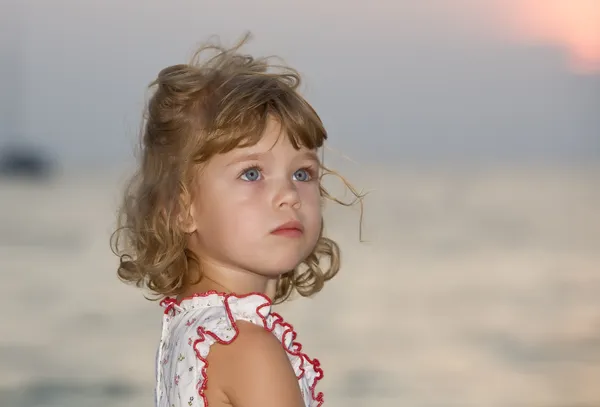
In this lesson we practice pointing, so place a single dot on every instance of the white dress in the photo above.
(192, 325)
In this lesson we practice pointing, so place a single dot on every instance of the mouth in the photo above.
(289, 229)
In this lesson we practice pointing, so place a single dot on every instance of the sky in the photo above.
(468, 79)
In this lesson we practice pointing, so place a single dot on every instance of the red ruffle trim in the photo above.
(295, 348)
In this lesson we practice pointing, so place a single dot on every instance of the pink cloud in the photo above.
(571, 24)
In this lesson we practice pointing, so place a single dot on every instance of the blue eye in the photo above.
(251, 174)
(302, 175)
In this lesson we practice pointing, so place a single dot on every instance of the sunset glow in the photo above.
(572, 24)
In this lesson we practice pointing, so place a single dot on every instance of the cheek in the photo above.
(311, 204)
(310, 195)
(228, 228)
(240, 211)
(216, 214)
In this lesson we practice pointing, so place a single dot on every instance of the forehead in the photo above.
(274, 141)
(276, 136)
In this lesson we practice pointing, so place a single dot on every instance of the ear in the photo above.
(186, 219)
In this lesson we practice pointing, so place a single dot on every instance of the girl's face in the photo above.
(258, 209)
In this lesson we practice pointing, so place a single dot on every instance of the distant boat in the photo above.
(25, 162)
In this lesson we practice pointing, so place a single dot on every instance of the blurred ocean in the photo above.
(474, 287)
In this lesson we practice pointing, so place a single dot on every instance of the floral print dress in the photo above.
(192, 325)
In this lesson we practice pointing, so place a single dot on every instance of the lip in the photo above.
(291, 226)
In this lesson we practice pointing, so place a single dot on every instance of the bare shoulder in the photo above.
(254, 370)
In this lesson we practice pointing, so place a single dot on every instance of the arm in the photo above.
(254, 370)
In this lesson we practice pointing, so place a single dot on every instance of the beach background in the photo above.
(475, 128)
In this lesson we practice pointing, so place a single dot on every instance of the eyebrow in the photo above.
(245, 157)
(308, 155)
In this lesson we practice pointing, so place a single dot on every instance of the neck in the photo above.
(223, 278)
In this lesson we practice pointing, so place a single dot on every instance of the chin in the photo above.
(275, 261)
(279, 269)
(276, 268)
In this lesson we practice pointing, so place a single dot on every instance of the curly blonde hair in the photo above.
(197, 110)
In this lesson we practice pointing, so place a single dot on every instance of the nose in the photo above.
(287, 195)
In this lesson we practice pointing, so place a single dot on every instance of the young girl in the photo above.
(222, 220)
